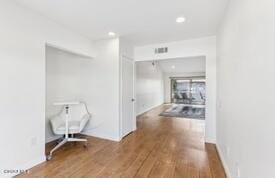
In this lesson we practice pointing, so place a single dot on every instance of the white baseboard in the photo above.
(103, 136)
(148, 109)
(26, 166)
(225, 166)
(35, 162)
(210, 140)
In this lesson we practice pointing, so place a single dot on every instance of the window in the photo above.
(188, 91)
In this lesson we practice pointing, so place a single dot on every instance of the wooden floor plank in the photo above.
(161, 147)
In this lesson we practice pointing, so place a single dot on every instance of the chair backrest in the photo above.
(76, 112)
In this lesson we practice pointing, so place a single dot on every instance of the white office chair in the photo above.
(72, 119)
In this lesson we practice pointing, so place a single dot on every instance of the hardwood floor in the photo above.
(161, 147)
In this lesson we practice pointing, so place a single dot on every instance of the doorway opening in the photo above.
(179, 84)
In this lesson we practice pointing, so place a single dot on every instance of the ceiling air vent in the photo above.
(161, 50)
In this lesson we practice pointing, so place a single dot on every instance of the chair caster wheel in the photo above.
(49, 157)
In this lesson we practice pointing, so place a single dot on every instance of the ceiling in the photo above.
(183, 65)
(141, 21)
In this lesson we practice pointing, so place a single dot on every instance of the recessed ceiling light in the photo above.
(111, 34)
(180, 19)
(173, 67)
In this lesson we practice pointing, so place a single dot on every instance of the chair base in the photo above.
(65, 140)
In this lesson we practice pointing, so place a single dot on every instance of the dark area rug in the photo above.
(186, 111)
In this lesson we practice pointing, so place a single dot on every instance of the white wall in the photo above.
(22, 106)
(245, 117)
(126, 47)
(192, 48)
(105, 93)
(167, 82)
(149, 86)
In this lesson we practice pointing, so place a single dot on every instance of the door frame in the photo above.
(122, 57)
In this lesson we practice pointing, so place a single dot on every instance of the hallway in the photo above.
(161, 147)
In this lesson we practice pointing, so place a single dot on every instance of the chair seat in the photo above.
(77, 120)
(74, 127)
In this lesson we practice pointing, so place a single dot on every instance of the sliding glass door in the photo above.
(188, 91)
